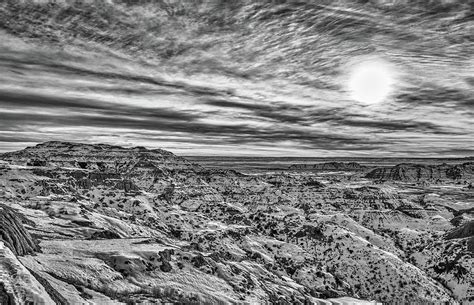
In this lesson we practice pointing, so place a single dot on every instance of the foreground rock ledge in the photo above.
(13, 234)
(17, 284)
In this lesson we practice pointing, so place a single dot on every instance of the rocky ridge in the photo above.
(329, 166)
(420, 172)
(17, 284)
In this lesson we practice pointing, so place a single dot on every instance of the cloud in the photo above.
(238, 105)
(470, 81)
(66, 70)
(281, 112)
(107, 110)
(289, 123)
(16, 138)
(429, 94)
(337, 117)
(85, 113)
(394, 125)
(238, 133)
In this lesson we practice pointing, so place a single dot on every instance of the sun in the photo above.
(371, 82)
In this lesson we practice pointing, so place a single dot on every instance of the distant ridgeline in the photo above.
(416, 172)
(329, 166)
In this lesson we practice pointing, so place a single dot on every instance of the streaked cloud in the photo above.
(249, 92)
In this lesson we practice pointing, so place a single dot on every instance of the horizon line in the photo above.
(190, 154)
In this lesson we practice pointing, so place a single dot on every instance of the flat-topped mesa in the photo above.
(421, 172)
(92, 156)
(329, 166)
(13, 234)
(59, 149)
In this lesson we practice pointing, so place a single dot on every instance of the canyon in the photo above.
(103, 224)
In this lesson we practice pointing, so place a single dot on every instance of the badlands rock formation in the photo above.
(419, 172)
(329, 166)
(17, 284)
(132, 225)
(13, 234)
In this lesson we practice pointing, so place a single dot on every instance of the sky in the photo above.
(264, 80)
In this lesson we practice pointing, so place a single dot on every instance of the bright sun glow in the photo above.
(371, 82)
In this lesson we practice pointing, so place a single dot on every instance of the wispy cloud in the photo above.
(238, 90)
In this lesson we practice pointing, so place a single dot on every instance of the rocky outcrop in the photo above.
(465, 230)
(329, 166)
(13, 234)
(450, 262)
(101, 158)
(5, 297)
(17, 284)
(421, 172)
